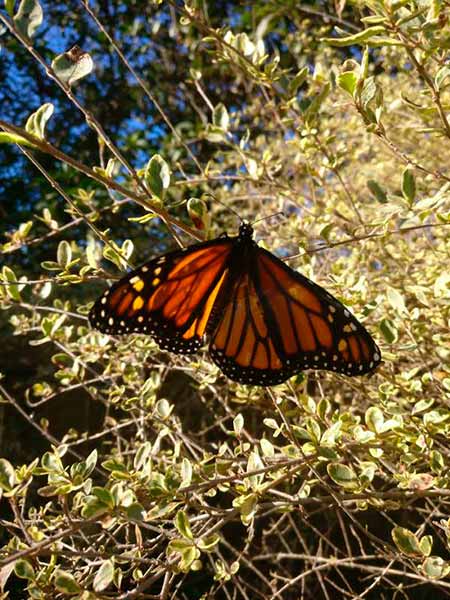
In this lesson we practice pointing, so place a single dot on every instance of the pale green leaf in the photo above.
(408, 185)
(104, 576)
(7, 475)
(73, 65)
(238, 424)
(358, 38)
(220, 117)
(37, 121)
(406, 541)
(342, 475)
(29, 17)
(435, 567)
(157, 176)
(24, 569)
(374, 419)
(66, 583)
(347, 81)
(64, 253)
(182, 525)
(396, 300)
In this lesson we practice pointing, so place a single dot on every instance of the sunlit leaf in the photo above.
(28, 17)
(73, 65)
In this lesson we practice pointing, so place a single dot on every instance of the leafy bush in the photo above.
(129, 472)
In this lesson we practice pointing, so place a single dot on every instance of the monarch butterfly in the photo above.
(265, 321)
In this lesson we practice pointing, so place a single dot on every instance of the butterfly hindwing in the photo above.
(170, 298)
(243, 342)
(278, 322)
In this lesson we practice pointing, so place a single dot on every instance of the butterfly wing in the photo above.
(170, 298)
(243, 343)
(278, 322)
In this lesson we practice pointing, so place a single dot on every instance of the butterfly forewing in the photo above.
(316, 330)
(170, 298)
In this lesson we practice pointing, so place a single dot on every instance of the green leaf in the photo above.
(426, 544)
(314, 106)
(436, 461)
(358, 38)
(157, 176)
(186, 472)
(297, 81)
(331, 434)
(342, 475)
(238, 424)
(367, 473)
(12, 138)
(364, 67)
(24, 570)
(163, 408)
(182, 525)
(408, 185)
(114, 465)
(247, 505)
(51, 462)
(441, 76)
(64, 254)
(142, 455)
(136, 512)
(396, 300)
(214, 134)
(29, 17)
(406, 541)
(178, 545)
(93, 507)
(50, 265)
(104, 576)
(207, 544)
(104, 496)
(255, 463)
(12, 289)
(37, 121)
(7, 475)
(267, 447)
(368, 91)
(188, 558)
(73, 65)
(118, 256)
(66, 583)
(91, 461)
(388, 330)
(435, 567)
(91, 256)
(347, 81)
(374, 419)
(9, 7)
(220, 117)
(198, 212)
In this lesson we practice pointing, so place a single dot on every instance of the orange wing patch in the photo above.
(174, 295)
(315, 330)
(242, 339)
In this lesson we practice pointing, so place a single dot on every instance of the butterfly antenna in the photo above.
(225, 206)
(280, 212)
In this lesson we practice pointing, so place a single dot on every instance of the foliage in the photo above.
(128, 472)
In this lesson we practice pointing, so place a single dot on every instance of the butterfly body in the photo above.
(264, 320)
